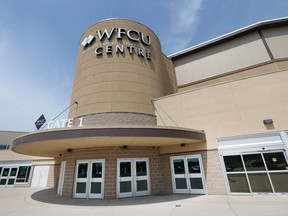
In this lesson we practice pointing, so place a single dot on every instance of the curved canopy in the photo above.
(51, 143)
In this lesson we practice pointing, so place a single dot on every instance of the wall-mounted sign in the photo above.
(88, 40)
(60, 123)
(40, 121)
(138, 43)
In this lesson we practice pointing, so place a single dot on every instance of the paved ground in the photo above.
(44, 202)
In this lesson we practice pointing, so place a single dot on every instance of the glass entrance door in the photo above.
(89, 179)
(187, 174)
(141, 177)
(124, 178)
(8, 176)
(133, 177)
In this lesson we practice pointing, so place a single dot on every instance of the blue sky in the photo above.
(39, 40)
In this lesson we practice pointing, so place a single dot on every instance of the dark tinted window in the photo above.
(275, 161)
(253, 162)
(233, 163)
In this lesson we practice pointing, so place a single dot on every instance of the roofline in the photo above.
(231, 35)
(9, 131)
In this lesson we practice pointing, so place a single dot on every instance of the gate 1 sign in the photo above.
(63, 123)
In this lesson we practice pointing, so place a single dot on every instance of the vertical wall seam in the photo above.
(266, 45)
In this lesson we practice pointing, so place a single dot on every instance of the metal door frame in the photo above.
(133, 178)
(188, 175)
(88, 180)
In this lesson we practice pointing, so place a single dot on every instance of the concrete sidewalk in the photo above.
(44, 202)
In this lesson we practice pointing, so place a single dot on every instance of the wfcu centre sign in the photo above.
(138, 43)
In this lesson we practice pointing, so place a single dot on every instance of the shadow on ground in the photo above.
(48, 196)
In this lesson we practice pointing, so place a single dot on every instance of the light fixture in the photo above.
(183, 144)
(268, 121)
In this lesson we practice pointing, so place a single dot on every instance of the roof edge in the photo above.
(234, 34)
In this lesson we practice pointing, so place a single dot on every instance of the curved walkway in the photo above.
(44, 202)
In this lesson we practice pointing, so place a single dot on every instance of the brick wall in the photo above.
(53, 175)
(212, 170)
(116, 118)
(110, 154)
(214, 173)
(160, 170)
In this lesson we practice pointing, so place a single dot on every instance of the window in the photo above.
(259, 172)
(233, 163)
(23, 174)
(4, 147)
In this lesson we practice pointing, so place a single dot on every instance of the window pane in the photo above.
(279, 181)
(13, 172)
(179, 167)
(96, 170)
(5, 171)
(125, 169)
(142, 185)
(96, 187)
(81, 187)
(275, 161)
(233, 163)
(22, 172)
(253, 162)
(141, 168)
(259, 183)
(193, 165)
(4, 147)
(82, 170)
(125, 187)
(181, 183)
(238, 183)
(196, 183)
(11, 181)
(3, 181)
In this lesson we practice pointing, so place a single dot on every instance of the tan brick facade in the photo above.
(53, 175)
(213, 172)
(160, 170)
(212, 169)
(116, 118)
(110, 154)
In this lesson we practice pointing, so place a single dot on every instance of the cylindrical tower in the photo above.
(120, 69)
(110, 147)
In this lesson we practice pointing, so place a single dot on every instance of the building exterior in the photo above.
(206, 120)
(17, 170)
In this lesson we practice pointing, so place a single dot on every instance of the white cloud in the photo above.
(184, 19)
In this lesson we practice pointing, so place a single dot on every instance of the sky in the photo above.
(39, 41)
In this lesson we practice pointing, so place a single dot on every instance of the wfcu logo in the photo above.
(137, 42)
(88, 40)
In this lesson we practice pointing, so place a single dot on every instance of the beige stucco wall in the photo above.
(231, 108)
(6, 138)
(9, 155)
(234, 86)
(277, 40)
(120, 82)
(229, 56)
